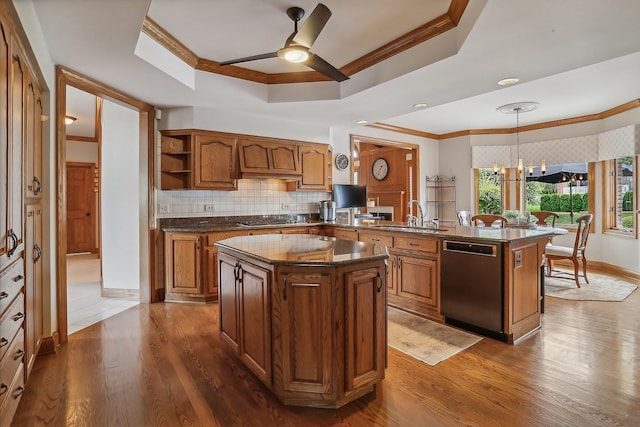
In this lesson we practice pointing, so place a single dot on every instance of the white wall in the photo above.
(120, 192)
(84, 152)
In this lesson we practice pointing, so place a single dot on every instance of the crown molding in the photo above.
(545, 125)
(431, 29)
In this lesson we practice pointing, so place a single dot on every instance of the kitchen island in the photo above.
(306, 314)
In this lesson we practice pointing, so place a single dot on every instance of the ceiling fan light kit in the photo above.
(296, 47)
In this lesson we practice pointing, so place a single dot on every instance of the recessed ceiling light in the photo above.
(361, 122)
(420, 105)
(508, 81)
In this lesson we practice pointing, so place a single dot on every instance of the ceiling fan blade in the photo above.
(325, 68)
(312, 26)
(250, 58)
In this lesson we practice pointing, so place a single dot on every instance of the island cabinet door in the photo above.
(228, 301)
(254, 313)
(303, 332)
(366, 331)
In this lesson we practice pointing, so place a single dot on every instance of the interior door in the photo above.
(81, 208)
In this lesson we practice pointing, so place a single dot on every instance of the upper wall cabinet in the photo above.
(215, 162)
(263, 158)
(207, 160)
(315, 161)
(197, 160)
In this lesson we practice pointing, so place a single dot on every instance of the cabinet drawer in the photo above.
(10, 362)
(416, 244)
(11, 398)
(345, 234)
(10, 322)
(373, 237)
(11, 283)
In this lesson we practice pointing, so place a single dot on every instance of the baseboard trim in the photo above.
(49, 345)
(603, 267)
(133, 294)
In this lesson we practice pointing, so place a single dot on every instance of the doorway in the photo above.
(142, 251)
(399, 182)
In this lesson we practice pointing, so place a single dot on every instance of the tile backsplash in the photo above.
(253, 197)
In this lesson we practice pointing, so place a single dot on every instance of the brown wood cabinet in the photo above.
(413, 277)
(327, 325)
(215, 162)
(191, 261)
(308, 350)
(245, 318)
(33, 139)
(315, 161)
(33, 285)
(183, 260)
(366, 337)
(175, 162)
(263, 158)
(198, 160)
(21, 311)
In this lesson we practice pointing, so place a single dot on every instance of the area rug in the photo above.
(599, 288)
(425, 340)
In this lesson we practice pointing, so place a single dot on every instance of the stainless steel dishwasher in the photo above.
(471, 286)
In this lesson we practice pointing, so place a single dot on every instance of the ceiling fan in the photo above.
(296, 48)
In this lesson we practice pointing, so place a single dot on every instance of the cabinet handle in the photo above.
(17, 316)
(38, 186)
(414, 244)
(18, 392)
(3, 342)
(3, 295)
(3, 389)
(284, 289)
(240, 270)
(379, 282)
(18, 278)
(38, 253)
(14, 245)
(235, 271)
(18, 355)
(375, 239)
(198, 243)
(399, 262)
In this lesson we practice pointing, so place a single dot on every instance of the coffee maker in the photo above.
(328, 210)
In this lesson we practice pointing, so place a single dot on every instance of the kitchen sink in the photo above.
(409, 228)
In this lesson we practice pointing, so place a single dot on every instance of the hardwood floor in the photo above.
(162, 365)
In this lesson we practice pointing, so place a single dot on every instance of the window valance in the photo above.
(613, 144)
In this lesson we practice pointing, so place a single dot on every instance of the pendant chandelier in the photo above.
(517, 108)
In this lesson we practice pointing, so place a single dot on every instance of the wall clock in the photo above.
(342, 161)
(380, 169)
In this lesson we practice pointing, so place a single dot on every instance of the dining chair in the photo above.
(545, 216)
(574, 254)
(488, 220)
(464, 217)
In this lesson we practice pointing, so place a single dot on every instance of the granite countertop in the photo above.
(214, 224)
(456, 232)
(304, 249)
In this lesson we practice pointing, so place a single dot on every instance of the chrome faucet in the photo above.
(415, 220)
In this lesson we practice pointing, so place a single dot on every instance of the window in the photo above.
(489, 191)
(619, 199)
(566, 189)
(563, 189)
